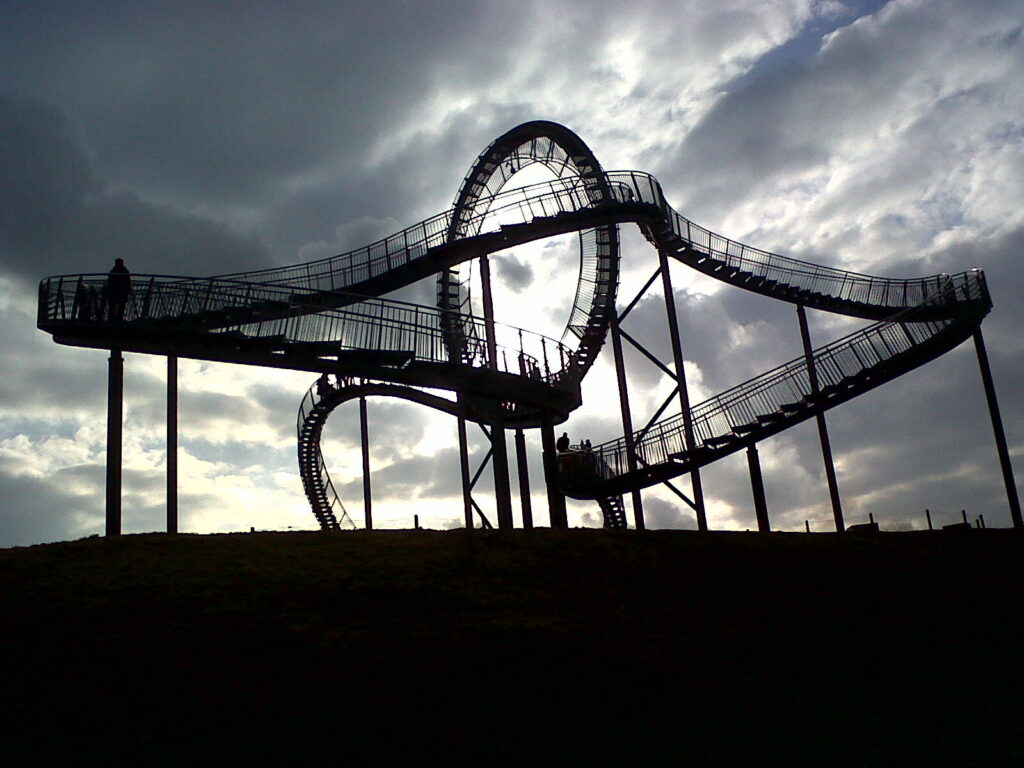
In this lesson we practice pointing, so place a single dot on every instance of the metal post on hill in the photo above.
(997, 428)
(172, 444)
(502, 485)
(364, 438)
(826, 445)
(115, 415)
(684, 397)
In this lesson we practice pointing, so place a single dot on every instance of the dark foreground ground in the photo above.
(535, 648)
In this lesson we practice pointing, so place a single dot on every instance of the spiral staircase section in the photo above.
(330, 316)
(323, 397)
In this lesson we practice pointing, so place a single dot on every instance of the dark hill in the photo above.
(533, 647)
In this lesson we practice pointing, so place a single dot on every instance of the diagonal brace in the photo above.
(640, 348)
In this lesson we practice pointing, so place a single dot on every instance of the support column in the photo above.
(684, 396)
(757, 486)
(115, 411)
(997, 428)
(556, 500)
(364, 435)
(826, 446)
(524, 479)
(627, 418)
(172, 444)
(502, 485)
(467, 491)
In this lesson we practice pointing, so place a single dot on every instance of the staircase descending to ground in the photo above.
(328, 316)
(787, 395)
(614, 510)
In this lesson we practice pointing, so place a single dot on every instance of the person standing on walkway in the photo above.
(119, 286)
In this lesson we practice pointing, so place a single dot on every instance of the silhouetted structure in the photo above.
(327, 317)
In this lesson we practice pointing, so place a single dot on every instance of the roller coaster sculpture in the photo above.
(329, 317)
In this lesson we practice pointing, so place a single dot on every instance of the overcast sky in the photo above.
(203, 138)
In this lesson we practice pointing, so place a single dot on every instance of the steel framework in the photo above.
(329, 317)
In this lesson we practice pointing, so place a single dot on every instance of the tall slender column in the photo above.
(364, 435)
(684, 396)
(997, 428)
(502, 486)
(757, 486)
(826, 446)
(627, 418)
(172, 444)
(467, 492)
(524, 479)
(115, 411)
(556, 501)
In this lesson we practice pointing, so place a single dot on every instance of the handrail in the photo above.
(333, 516)
(308, 304)
(370, 323)
(789, 384)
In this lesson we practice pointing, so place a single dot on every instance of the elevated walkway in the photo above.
(329, 317)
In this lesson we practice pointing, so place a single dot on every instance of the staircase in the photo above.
(327, 506)
(614, 510)
(784, 396)
(298, 317)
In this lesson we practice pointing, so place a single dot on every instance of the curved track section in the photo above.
(321, 399)
(328, 316)
(567, 157)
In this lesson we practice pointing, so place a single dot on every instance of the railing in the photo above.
(334, 515)
(426, 334)
(517, 206)
(368, 324)
(741, 407)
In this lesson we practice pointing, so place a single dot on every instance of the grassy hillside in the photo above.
(538, 647)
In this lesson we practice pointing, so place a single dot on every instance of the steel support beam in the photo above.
(627, 418)
(826, 445)
(364, 436)
(467, 489)
(502, 485)
(556, 501)
(115, 413)
(997, 428)
(524, 479)
(684, 397)
(172, 444)
(757, 486)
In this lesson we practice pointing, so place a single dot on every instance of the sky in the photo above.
(204, 138)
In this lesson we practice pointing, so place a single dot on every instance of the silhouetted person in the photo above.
(119, 286)
(82, 308)
(323, 385)
(563, 443)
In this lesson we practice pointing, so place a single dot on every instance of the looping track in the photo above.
(327, 316)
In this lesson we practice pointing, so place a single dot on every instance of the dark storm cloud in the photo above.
(237, 94)
(46, 378)
(515, 273)
(866, 81)
(433, 476)
(731, 335)
(394, 427)
(57, 217)
(36, 510)
(195, 139)
(659, 513)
